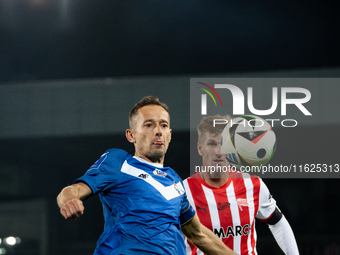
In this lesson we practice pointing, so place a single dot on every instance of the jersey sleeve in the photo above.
(187, 211)
(105, 172)
(267, 203)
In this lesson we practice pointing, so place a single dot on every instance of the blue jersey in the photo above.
(144, 205)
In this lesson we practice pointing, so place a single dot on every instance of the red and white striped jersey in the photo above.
(230, 211)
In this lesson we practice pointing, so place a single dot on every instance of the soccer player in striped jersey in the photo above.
(145, 205)
(228, 202)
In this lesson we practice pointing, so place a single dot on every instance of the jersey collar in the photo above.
(149, 163)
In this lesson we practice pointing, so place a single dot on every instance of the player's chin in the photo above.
(217, 175)
(158, 153)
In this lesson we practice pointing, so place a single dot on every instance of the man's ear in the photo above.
(199, 149)
(130, 135)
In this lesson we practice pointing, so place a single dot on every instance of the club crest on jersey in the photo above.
(242, 202)
(159, 173)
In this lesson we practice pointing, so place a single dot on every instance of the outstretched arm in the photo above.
(70, 200)
(204, 239)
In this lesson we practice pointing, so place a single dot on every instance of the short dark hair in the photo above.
(148, 100)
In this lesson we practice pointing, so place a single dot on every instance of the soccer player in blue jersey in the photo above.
(145, 205)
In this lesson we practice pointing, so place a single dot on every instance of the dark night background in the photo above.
(46, 39)
(71, 39)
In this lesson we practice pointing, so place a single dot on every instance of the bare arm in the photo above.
(204, 239)
(70, 200)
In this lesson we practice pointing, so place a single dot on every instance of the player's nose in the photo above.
(159, 131)
(219, 150)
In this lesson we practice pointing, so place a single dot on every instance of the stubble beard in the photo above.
(216, 175)
(157, 153)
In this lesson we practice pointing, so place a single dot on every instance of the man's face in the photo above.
(210, 150)
(152, 132)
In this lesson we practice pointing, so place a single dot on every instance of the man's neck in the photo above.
(159, 160)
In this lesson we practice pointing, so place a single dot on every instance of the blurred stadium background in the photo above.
(71, 70)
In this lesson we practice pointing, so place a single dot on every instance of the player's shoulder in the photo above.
(193, 178)
(111, 155)
(116, 154)
(257, 181)
(239, 176)
(116, 151)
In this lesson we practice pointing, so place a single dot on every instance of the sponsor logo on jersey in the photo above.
(222, 206)
(201, 208)
(159, 173)
(242, 202)
(143, 176)
(230, 231)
